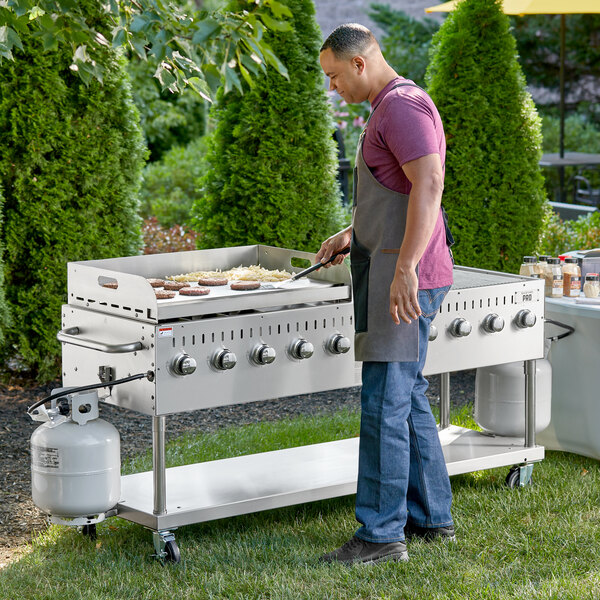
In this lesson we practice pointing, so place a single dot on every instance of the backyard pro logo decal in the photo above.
(165, 332)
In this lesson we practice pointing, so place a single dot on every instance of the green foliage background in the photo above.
(70, 164)
(494, 189)
(4, 313)
(272, 160)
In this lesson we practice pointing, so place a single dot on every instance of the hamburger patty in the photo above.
(212, 281)
(175, 285)
(244, 285)
(194, 291)
(164, 294)
(155, 283)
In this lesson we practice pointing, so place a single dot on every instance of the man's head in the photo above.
(352, 60)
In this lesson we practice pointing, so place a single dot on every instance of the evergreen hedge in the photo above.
(272, 161)
(493, 188)
(4, 313)
(71, 157)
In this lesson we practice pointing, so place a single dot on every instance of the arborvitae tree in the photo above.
(493, 189)
(4, 314)
(71, 157)
(272, 160)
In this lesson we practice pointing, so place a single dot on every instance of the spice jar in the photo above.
(554, 278)
(571, 278)
(541, 264)
(529, 267)
(591, 287)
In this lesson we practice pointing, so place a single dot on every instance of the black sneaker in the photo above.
(430, 533)
(361, 551)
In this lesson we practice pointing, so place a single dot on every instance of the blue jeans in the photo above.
(401, 469)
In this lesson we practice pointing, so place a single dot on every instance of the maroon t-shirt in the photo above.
(407, 126)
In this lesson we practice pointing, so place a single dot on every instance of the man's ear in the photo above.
(358, 62)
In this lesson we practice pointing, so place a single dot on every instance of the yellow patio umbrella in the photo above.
(542, 7)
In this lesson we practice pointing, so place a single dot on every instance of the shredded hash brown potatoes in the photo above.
(251, 273)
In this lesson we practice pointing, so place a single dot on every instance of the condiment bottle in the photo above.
(529, 267)
(571, 278)
(541, 264)
(554, 278)
(591, 287)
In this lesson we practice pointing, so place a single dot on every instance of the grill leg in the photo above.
(158, 465)
(444, 400)
(530, 375)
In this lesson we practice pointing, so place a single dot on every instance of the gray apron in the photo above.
(378, 228)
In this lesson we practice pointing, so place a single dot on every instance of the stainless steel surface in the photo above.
(477, 298)
(251, 483)
(236, 347)
(134, 298)
(444, 400)
(530, 376)
(159, 480)
(71, 336)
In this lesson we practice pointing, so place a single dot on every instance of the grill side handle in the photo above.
(71, 336)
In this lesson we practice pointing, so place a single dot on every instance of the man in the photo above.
(401, 272)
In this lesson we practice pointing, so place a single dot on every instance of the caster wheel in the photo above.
(89, 531)
(172, 552)
(513, 479)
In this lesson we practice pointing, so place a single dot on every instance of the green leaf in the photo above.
(200, 87)
(272, 59)
(232, 80)
(138, 24)
(274, 24)
(164, 76)
(212, 76)
(49, 42)
(36, 12)
(139, 45)
(279, 10)
(204, 30)
(119, 37)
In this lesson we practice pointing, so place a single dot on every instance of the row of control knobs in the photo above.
(262, 354)
(492, 323)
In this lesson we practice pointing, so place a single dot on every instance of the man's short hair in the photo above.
(349, 40)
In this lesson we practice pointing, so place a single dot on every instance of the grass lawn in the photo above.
(542, 541)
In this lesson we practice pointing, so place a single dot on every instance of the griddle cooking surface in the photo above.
(464, 279)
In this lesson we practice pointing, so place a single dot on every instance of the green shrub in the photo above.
(494, 189)
(167, 119)
(170, 185)
(272, 159)
(70, 163)
(4, 313)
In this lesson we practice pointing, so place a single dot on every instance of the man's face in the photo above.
(345, 76)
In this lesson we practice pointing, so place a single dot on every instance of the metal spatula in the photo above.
(303, 273)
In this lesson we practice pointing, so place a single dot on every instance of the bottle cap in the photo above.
(529, 259)
(553, 261)
(571, 260)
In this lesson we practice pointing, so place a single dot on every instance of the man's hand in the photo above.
(336, 243)
(404, 302)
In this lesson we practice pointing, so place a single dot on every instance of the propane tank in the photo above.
(75, 462)
(500, 398)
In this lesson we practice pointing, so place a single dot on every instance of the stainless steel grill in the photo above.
(234, 347)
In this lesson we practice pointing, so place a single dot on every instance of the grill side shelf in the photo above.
(134, 297)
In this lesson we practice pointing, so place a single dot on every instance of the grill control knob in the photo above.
(460, 327)
(493, 323)
(525, 318)
(301, 349)
(338, 344)
(183, 364)
(223, 360)
(433, 332)
(263, 354)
